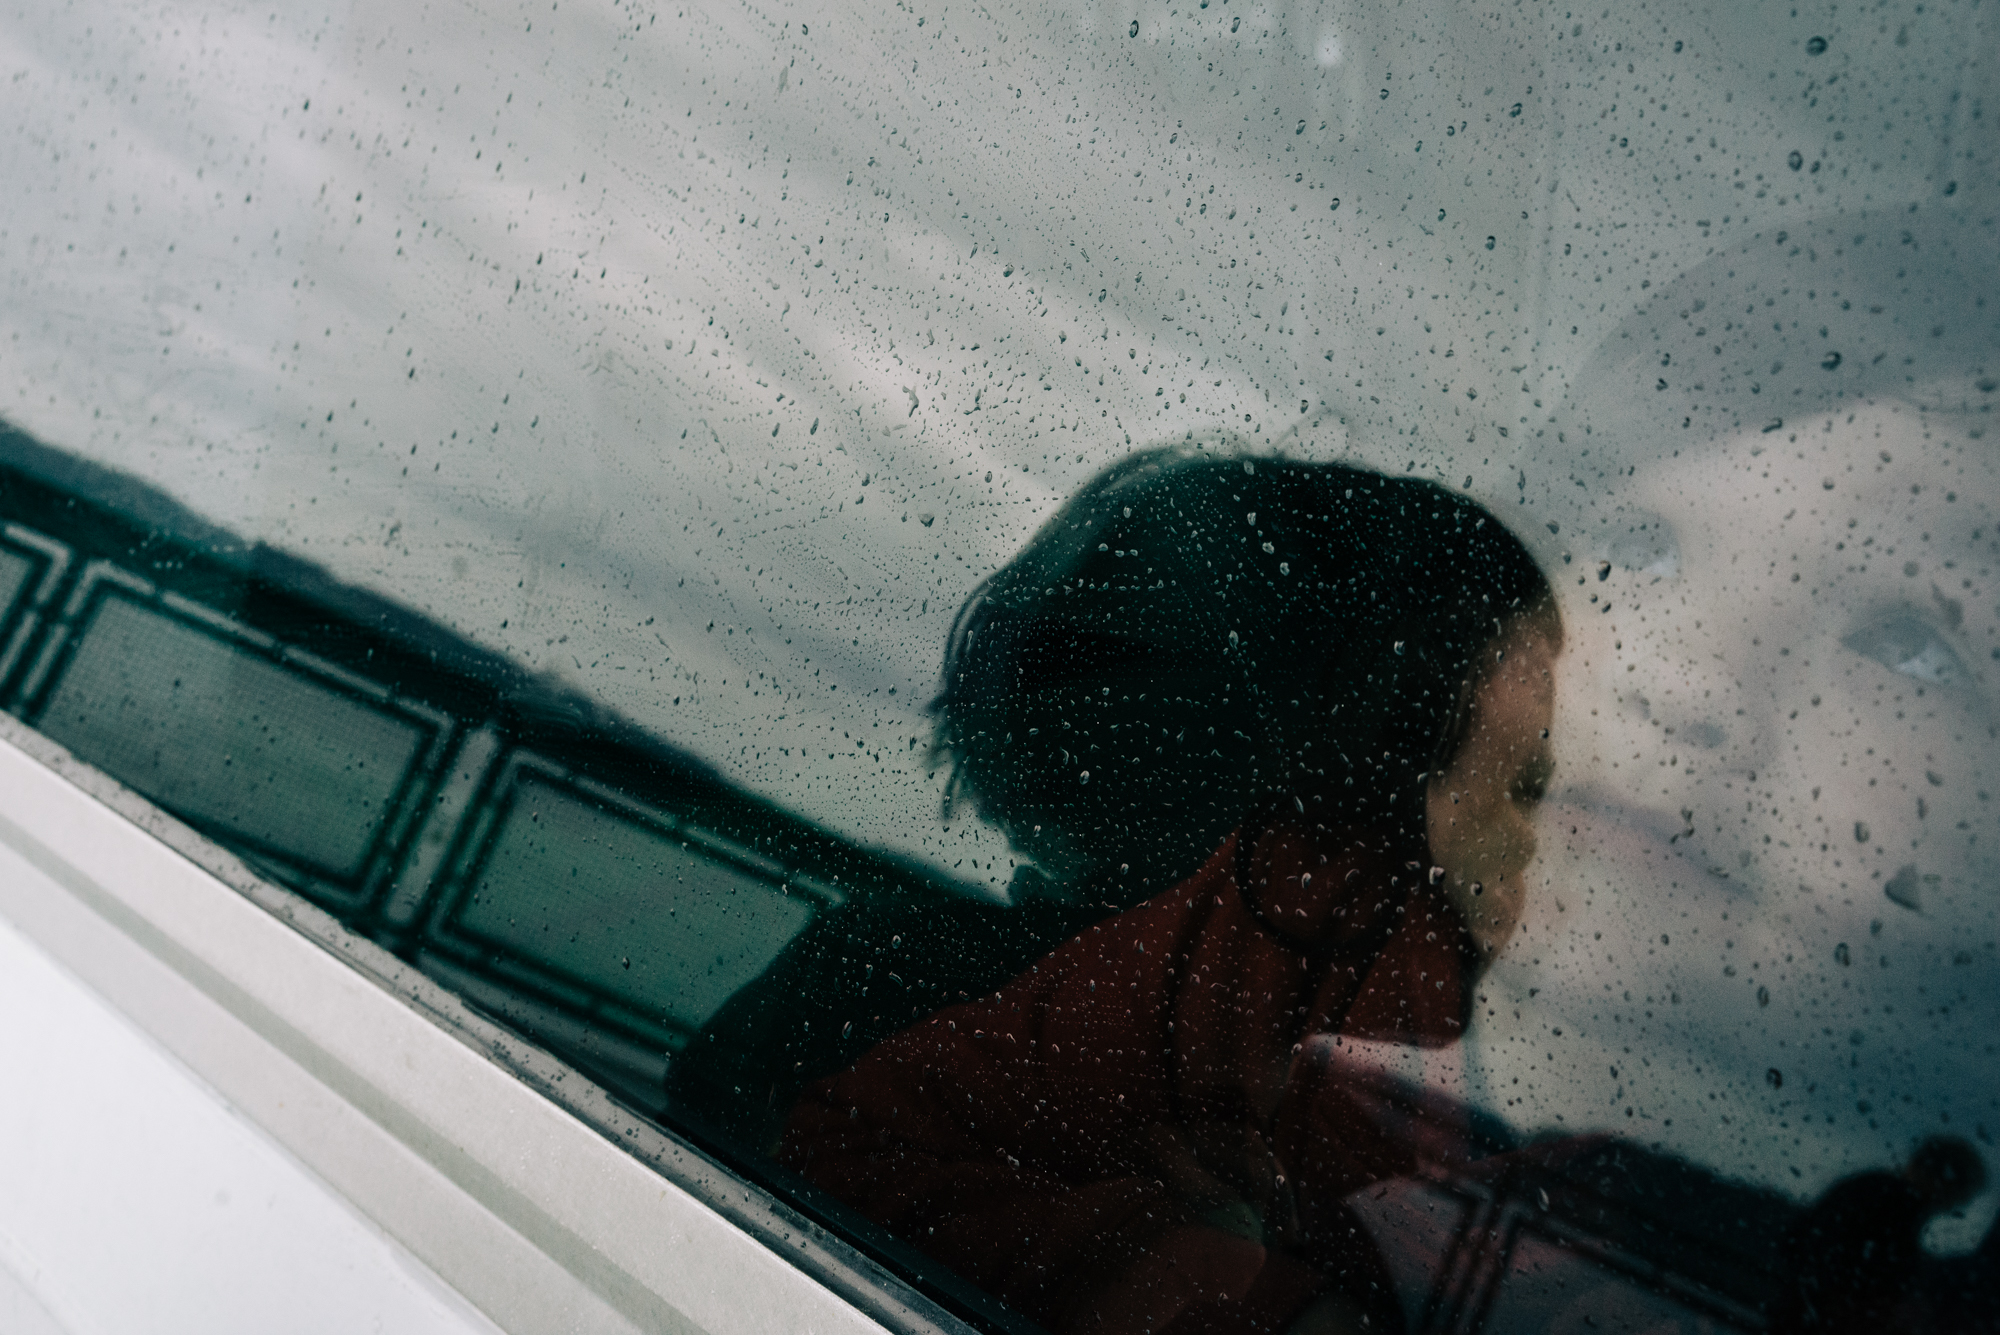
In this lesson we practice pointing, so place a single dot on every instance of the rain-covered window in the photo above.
(1189, 665)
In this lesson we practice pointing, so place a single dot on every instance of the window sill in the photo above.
(529, 1190)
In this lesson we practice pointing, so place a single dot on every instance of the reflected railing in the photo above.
(589, 884)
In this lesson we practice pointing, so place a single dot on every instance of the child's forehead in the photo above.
(1875, 467)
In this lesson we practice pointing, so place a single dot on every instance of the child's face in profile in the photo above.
(1479, 810)
(1779, 710)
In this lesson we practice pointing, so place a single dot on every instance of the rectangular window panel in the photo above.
(624, 905)
(230, 740)
(16, 573)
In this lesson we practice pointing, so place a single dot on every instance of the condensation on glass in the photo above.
(847, 571)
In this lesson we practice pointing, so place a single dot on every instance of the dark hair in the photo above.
(1198, 638)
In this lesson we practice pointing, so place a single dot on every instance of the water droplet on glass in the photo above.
(1796, 160)
(1902, 888)
(1135, 29)
(1816, 46)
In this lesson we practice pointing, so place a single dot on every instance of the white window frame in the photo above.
(528, 1189)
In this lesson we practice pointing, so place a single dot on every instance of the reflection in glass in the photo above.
(303, 770)
(1902, 642)
(1647, 547)
(524, 515)
(623, 905)
(1130, 1136)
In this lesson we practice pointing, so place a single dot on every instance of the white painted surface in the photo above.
(400, 1154)
(21, 1310)
(132, 1197)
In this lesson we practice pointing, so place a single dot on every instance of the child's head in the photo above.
(1198, 639)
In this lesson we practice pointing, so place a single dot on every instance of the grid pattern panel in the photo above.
(16, 571)
(624, 907)
(229, 740)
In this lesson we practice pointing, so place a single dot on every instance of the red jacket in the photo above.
(1131, 1134)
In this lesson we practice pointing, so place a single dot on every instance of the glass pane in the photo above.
(230, 739)
(1187, 666)
(16, 574)
(623, 907)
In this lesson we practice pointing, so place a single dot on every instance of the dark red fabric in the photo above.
(1132, 1135)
